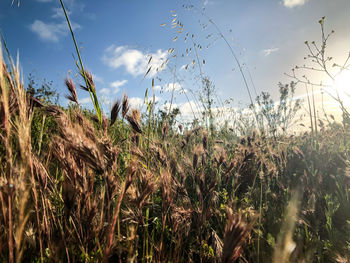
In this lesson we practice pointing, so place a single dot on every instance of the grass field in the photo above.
(79, 186)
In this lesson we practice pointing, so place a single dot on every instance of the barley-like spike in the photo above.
(54, 110)
(187, 137)
(205, 140)
(125, 105)
(91, 83)
(72, 90)
(195, 160)
(104, 123)
(115, 111)
(94, 118)
(35, 102)
(83, 88)
(236, 232)
(164, 129)
(134, 120)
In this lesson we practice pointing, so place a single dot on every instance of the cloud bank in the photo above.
(135, 61)
(51, 32)
(294, 3)
(55, 29)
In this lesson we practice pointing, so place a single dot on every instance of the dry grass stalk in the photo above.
(205, 140)
(72, 90)
(8, 168)
(134, 120)
(115, 111)
(14, 100)
(148, 185)
(165, 129)
(91, 84)
(198, 151)
(124, 188)
(104, 123)
(125, 105)
(195, 160)
(236, 233)
(159, 153)
(24, 135)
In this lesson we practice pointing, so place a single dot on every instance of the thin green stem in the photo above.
(83, 73)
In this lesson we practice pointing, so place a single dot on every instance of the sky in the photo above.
(186, 40)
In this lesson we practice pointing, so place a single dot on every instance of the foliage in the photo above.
(278, 114)
(43, 91)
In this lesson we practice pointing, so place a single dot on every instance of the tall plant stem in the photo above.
(315, 116)
(41, 133)
(310, 112)
(10, 238)
(83, 73)
(173, 91)
(260, 214)
(239, 66)
(234, 56)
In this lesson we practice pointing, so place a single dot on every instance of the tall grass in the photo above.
(90, 86)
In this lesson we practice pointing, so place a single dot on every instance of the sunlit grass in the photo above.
(78, 186)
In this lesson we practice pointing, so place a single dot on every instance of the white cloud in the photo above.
(173, 86)
(268, 51)
(77, 5)
(97, 78)
(105, 91)
(136, 102)
(106, 101)
(189, 110)
(294, 3)
(70, 5)
(51, 31)
(134, 61)
(114, 87)
(85, 100)
(165, 106)
(169, 87)
(117, 84)
(58, 13)
(45, 31)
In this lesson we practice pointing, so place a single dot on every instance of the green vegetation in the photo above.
(76, 186)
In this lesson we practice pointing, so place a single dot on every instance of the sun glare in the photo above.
(341, 87)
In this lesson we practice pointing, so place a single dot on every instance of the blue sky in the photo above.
(117, 39)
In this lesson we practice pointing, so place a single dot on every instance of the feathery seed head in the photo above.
(115, 111)
(72, 90)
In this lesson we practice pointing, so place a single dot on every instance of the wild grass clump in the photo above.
(92, 197)
(126, 191)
